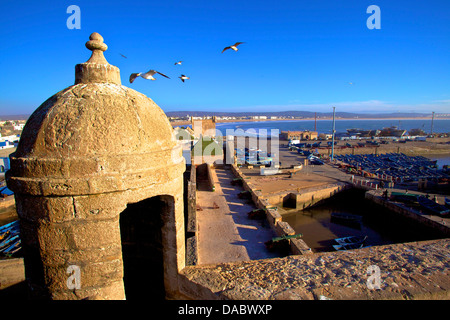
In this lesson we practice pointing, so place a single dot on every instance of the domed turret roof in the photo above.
(96, 126)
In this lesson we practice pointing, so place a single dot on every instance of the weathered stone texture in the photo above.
(418, 270)
(84, 155)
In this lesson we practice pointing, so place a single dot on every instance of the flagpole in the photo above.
(332, 141)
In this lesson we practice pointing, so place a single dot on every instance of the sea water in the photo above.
(326, 126)
(380, 225)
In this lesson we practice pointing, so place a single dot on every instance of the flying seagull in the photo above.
(148, 75)
(234, 46)
(183, 77)
(123, 56)
(350, 83)
(178, 62)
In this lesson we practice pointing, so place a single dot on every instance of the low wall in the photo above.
(416, 270)
(205, 172)
(190, 216)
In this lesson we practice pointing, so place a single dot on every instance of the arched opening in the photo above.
(290, 201)
(142, 233)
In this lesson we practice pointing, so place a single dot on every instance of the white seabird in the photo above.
(178, 62)
(234, 46)
(183, 77)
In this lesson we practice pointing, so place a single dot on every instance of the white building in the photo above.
(4, 164)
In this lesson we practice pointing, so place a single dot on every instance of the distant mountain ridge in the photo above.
(14, 117)
(304, 114)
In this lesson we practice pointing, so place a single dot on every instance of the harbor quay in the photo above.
(410, 270)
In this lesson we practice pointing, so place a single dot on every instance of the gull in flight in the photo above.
(183, 77)
(123, 56)
(234, 46)
(350, 83)
(148, 75)
(178, 62)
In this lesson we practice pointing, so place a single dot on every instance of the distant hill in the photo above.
(304, 114)
(297, 114)
(14, 117)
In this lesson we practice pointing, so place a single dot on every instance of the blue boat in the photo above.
(10, 238)
(351, 240)
(342, 247)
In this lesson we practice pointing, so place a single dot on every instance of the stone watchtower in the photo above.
(98, 182)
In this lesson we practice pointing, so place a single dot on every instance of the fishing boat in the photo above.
(315, 160)
(404, 197)
(10, 238)
(351, 240)
(9, 226)
(432, 206)
(392, 132)
(346, 217)
(362, 132)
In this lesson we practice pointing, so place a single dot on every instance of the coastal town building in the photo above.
(299, 135)
(204, 127)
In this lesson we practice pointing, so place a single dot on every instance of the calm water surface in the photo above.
(380, 225)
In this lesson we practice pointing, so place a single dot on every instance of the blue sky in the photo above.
(297, 55)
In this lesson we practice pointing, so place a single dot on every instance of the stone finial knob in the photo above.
(96, 69)
(96, 45)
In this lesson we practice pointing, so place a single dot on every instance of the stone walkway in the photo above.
(225, 233)
(416, 270)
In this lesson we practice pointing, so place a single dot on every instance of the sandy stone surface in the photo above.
(418, 270)
(226, 233)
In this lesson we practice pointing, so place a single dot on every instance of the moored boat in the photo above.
(351, 240)
(404, 197)
(10, 239)
(347, 217)
(340, 247)
(432, 206)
